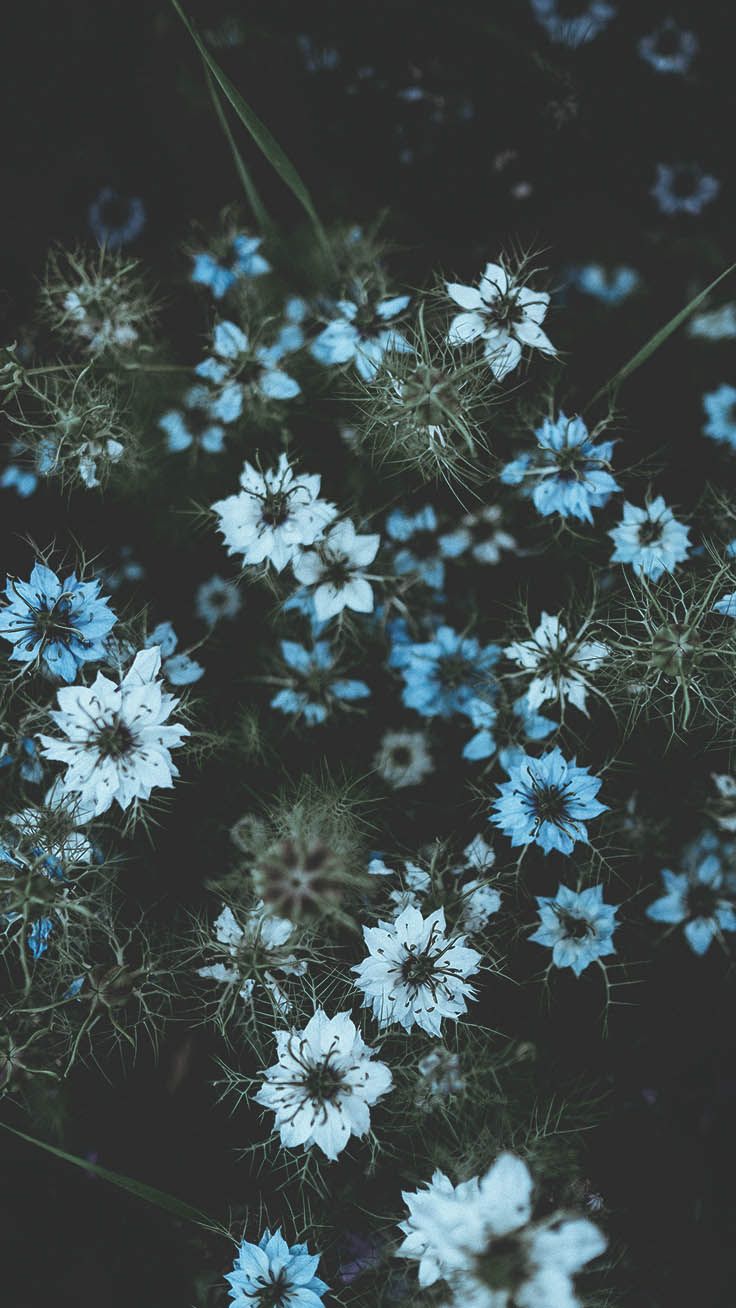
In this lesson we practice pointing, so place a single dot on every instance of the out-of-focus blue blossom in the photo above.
(577, 29)
(315, 684)
(179, 669)
(727, 605)
(443, 675)
(720, 409)
(27, 758)
(360, 334)
(271, 1274)
(532, 725)
(235, 367)
(547, 801)
(59, 624)
(302, 601)
(418, 552)
(126, 569)
(650, 539)
(669, 48)
(698, 900)
(38, 936)
(21, 480)
(241, 259)
(194, 425)
(610, 285)
(683, 188)
(217, 599)
(483, 717)
(714, 324)
(318, 59)
(116, 220)
(568, 473)
(577, 926)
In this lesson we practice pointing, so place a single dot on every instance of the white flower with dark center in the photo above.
(274, 516)
(415, 974)
(501, 313)
(335, 566)
(323, 1085)
(118, 742)
(436, 1216)
(403, 758)
(560, 664)
(251, 954)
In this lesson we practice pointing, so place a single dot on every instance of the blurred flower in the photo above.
(575, 29)
(403, 758)
(697, 899)
(217, 599)
(239, 259)
(720, 409)
(116, 220)
(669, 48)
(683, 188)
(360, 335)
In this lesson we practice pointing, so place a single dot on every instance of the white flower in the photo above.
(501, 313)
(335, 566)
(90, 452)
(274, 515)
(323, 1084)
(479, 1237)
(255, 947)
(414, 973)
(479, 854)
(560, 663)
(479, 902)
(403, 758)
(117, 741)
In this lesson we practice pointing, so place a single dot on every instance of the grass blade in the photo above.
(257, 206)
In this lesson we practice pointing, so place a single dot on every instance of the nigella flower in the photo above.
(480, 533)
(416, 534)
(503, 314)
(29, 764)
(547, 801)
(116, 220)
(440, 1076)
(415, 974)
(610, 286)
(117, 736)
(482, 716)
(669, 48)
(714, 324)
(274, 515)
(650, 539)
(573, 29)
(568, 473)
(61, 625)
(238, 369)
(21, 480)
(683, 188)
(403, 758)
(323, 1085)
(700, 900)
(194, 425)
(254, 953)
(442, 675)
(726, 605)
(38, 936)
(577, 926)
(179, 669)
(335, 566)
(271, 1274)
(720, 408)
(217, 599)
(239, 259)
(314, 683)
(560, 664)
(360, 334)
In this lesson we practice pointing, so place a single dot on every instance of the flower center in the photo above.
(275, 509)
(114, 740)
(418, 969)
(504, 1265)
(550, 803)
(650, 533)
(323, 1082)
(701, 901)
(576, 928)
(273, 1295)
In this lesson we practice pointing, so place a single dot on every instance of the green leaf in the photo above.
(612, 387)
(264, 140)
(170, 1204)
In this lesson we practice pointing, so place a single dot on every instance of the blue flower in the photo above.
(683, 188)
(21, 480)
(237, 368)
(547, 801)
(417, 533)
(241, 260)
(38, 936)
(359, 334)
(314, 683)
(60, 624)
(610, 286)
(483, 717)
(577, 926)
(195, 426)
(217, 599)
(271, 1274)
(696, 900)
(443, 675)
(568, 472)
(669, 48)
(576, 30)
(116, 221)
(179, 669)
(650, 539)
(720, 408)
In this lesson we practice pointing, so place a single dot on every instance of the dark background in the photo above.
(112, 94)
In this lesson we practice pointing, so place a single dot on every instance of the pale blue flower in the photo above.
(241, 259)
(698, 901)
(217, 599)
(179, 669)
(727, 605)
(194, 425)
(315, 684)
(27, 759)
(547, 801)
(568, 473)
(59, 624)
(577, 926)
(271, 1274)
(611, 286)
(236, 369)
(359, 334)
(418, 552)
(720, 408)
(669, 48)
(38, 936)
(577, 29)
(21, 480)
(116, 220)
(443, 675)
(650, 539)
(683, 188)
(483, 717)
